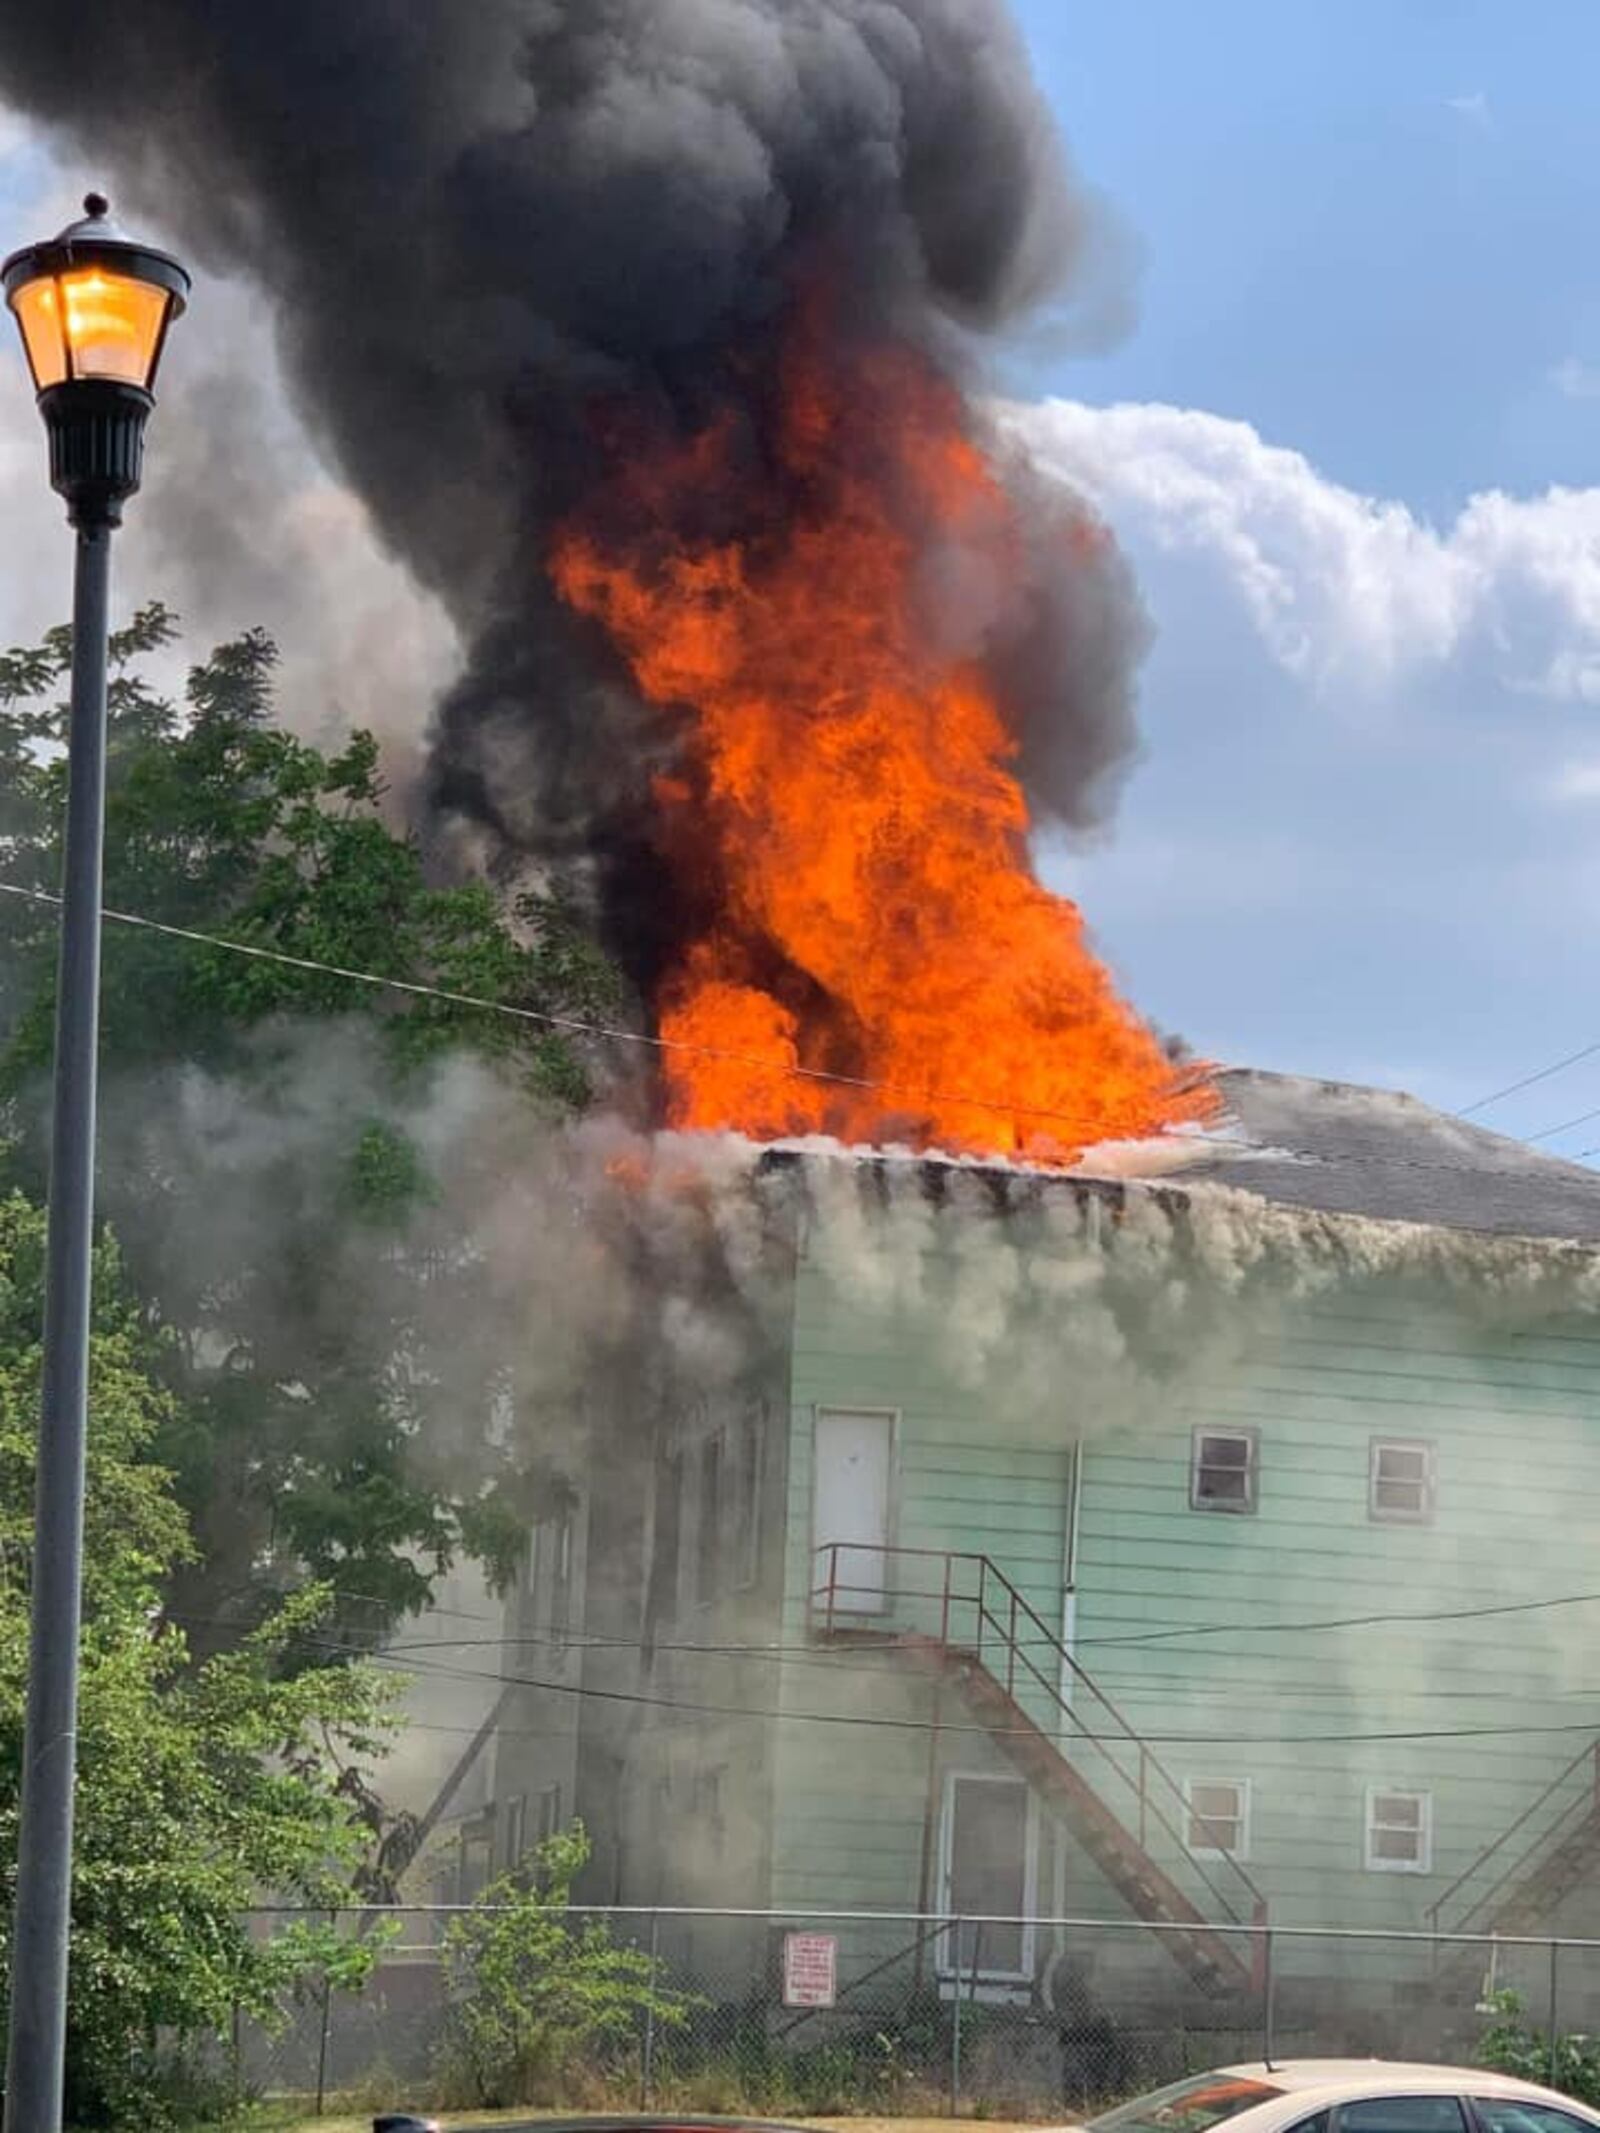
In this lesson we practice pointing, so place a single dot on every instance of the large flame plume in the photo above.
(868, 952)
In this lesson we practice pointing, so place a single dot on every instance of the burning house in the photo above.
(1210, 1551)
(966, 1529)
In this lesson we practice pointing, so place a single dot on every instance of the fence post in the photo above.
(327, 2014)
(1268, 1997)
(955, 2022)
(1551, 2062)
(647, 2059)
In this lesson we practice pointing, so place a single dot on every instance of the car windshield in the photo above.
(1187, 2107)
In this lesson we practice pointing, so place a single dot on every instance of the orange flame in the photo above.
(875, 959)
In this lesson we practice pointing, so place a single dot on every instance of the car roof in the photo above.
(1333, 2078)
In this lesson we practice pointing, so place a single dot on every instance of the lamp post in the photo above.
(94, 308)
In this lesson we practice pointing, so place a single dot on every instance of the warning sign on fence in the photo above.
(810, 1969)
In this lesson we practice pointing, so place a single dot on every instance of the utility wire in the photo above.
(1152, 1636)
(641, 1699)
(1513, 1088)
(574, 1024)
(1226, 1145)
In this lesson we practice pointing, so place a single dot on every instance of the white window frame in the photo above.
(1384, 1516)
(1243, 1787)
(947, 1964)
(1251, 1471)
(1423, 1863)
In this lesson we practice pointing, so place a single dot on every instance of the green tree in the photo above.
(535, 1996)
(202, 1790)
(334, 1360)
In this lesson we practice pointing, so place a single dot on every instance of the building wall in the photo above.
(852, 1794)
(1514, 1425)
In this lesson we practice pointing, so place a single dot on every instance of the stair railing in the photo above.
(1580, 1781)
(863, 1591)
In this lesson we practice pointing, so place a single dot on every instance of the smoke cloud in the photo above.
(479, 224)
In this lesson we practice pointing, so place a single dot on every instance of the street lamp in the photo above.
(94, 308)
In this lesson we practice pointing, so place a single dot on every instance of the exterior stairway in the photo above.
(1515, 1883)
(961, 1620)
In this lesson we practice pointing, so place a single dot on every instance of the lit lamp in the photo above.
(94, 308)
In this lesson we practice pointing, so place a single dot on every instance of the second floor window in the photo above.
(1400, 1481)
(1223, 1470)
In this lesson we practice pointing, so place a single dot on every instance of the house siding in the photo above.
(1513, 1417)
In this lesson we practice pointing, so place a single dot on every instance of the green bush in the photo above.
(1510, 2046)
(536, 1999)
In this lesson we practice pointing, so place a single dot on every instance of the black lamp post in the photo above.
(94, 308)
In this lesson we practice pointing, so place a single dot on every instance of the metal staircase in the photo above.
(1514, 1884)
(960, 1619)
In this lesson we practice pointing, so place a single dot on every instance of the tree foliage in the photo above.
(535, 1995)
(259, 1157)
(201, 1789)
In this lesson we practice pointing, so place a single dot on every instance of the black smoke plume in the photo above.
(481, 219)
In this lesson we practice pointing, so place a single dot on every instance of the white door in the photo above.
(850, 1504)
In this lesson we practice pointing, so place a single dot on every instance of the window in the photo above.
(1401, 2114)
(1400, 1481)
(1218, 1817)
(1222, 1476)
(546, 1813)
(708, 1529)
(665, 1560)
(516, 1829)
(744, 1541)
(1511, 2114)
(555, 1545)
(1399, 1833)
(1191, 2106)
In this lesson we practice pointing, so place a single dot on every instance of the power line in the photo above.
(1154, 1636)
(875, 1665)
(1226, 1145)
(573, 1024)
(1551, 1133)
(1513, 1088)
(641, 1699)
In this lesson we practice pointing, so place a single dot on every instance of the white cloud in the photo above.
(1576, 379)
(1342, 588)
(1473, 108)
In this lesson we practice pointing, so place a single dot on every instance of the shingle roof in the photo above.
(1349, 1150)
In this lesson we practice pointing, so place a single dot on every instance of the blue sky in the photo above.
(1369, 236)
(1352, 444)
(1370, 226)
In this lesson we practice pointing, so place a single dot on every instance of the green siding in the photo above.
(1514, 1420)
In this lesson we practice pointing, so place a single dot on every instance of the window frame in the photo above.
(748, 1436)
(1479, 2108)
(949, 1962)
(710, 1518)
(1381, 1516)
(1423, 1863)
(1243, 1786)
(1251, 1469)
(1465, 2116)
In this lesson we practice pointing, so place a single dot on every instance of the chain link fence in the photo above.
(812, 2014)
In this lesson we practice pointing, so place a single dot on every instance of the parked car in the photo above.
(1349, 2096)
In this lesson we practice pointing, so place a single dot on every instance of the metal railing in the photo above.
(1574, 1793)
(982, 1617)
